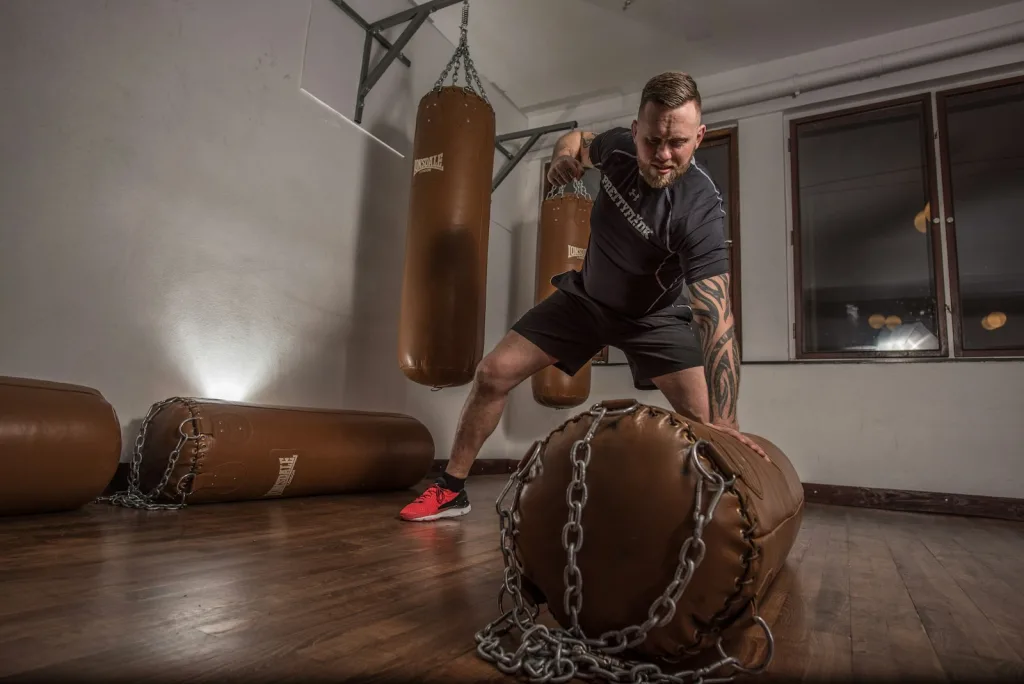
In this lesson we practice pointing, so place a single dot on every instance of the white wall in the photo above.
(182, 212)
(944, 426)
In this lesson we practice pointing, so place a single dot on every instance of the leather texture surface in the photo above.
(240, 452)
(444, 288)
(639, 511)
(59, 445)
(562, 239)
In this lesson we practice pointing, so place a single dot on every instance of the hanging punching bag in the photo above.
(562, 239)
(444, 290)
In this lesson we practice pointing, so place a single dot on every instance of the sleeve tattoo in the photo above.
(713, 315)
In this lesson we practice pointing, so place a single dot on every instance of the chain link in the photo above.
(462, 52)
(559, 655)
(133, 497)
(578, 188)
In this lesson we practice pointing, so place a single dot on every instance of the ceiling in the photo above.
(543, 53)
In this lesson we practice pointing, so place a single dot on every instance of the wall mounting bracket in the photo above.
(534, 135)
(415, 16)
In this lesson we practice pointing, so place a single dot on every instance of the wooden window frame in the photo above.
(942, 229)
(948, 209)
(934, 230)
(713, 138)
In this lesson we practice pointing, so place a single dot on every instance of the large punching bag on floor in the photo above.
(562, 239)
(193, 451)
(59, 445)
(648, 536)
(444, 288)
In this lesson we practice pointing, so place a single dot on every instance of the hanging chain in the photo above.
(462, 52)
(578, 188)
(133, 496)
(558, 655)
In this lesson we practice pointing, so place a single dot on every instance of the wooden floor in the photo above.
(338, 589)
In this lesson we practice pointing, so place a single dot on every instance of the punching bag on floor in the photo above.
(444, 291)
(59, 445)
(194, 451)
(650, 538)
(562, 238)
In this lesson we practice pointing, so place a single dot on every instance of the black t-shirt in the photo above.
(647, 244)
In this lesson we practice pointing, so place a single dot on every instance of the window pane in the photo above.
(986, 171)
(866, 254)
(714, 158)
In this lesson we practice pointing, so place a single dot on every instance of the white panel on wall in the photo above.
(764, 240)
(331, 68)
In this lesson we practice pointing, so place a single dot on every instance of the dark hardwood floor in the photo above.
(336, 588)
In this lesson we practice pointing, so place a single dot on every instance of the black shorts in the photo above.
(573, 328)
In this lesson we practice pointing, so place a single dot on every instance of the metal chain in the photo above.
(578, 188)
(559, 655)
(462, 52)
(133, 496)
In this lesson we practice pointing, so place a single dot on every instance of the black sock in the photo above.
(455, 484)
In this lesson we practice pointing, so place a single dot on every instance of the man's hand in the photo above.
(564, 170)
(743, 438)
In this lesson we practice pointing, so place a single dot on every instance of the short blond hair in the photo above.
(671, 89)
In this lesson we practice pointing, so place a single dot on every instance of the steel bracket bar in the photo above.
(415, 16)
(533, 135)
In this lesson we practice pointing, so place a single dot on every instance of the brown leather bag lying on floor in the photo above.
(59, 445)
(653, 536)
(204, 451)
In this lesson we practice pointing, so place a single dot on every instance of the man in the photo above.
(657, 263)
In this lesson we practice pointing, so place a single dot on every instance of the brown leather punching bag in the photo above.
(562, 239)
(646, 535)
(444, 290)
(59, 445)
(204, 451)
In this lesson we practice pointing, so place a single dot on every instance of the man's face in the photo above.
(665, 141)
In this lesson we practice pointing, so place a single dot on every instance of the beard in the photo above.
(657, 180)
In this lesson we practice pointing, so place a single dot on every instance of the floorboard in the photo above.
(336, 589)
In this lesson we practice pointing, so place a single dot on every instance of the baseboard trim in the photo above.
(907, 501)
(482, 466)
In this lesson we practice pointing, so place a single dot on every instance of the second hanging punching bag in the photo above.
(444, 288)
(562, 239)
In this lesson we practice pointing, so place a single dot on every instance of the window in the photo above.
(870, 232)
(718, 156)
(982, 153)
(867, 259)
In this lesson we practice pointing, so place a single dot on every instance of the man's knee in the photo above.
(495, 374)
(514, 360)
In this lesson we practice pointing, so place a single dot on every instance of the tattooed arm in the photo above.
(713, 314)
(570, 157)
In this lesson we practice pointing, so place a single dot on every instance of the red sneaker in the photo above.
(436, 503)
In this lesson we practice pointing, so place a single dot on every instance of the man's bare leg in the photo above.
(514, 360)
(511, 362)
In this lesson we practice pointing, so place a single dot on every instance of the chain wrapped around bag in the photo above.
(133, 497)
(560, 655)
